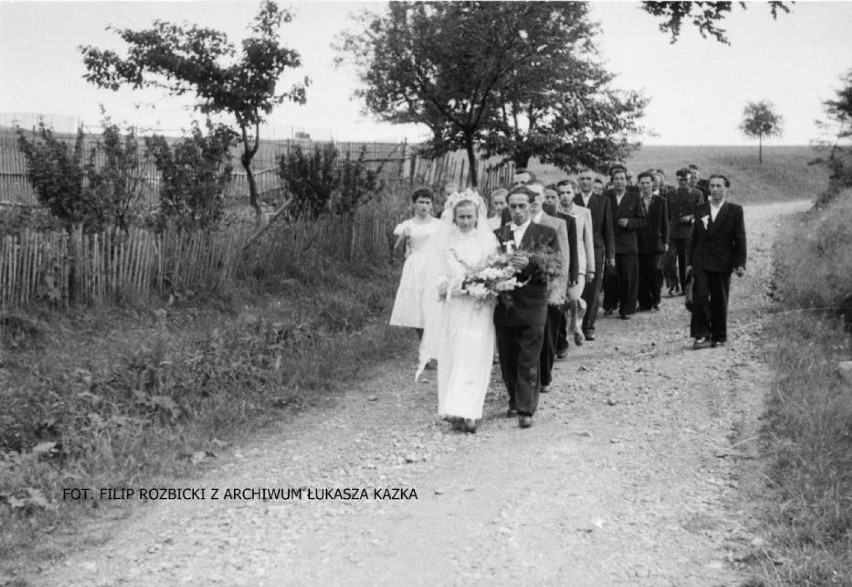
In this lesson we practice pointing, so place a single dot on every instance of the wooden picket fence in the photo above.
(74, 268)
(64, 268)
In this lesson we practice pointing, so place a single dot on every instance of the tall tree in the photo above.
(760, 120)
(189, 59)
(707, 17)
(560, 108)
(480, 75)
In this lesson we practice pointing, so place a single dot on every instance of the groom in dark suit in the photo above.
(520, 323)
(718, 249)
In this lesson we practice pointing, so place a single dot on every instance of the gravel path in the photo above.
(629, 476)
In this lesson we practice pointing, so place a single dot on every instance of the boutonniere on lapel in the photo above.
(705, 220)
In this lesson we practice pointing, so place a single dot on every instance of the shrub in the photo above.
(195, 171)
(813, 260)
(321, 182)
(95, 190)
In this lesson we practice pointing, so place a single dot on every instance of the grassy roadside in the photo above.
(808, 425)
(123, 396)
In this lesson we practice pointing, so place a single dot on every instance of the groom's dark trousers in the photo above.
(520, 324)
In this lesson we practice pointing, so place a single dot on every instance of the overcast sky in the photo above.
(698, 87)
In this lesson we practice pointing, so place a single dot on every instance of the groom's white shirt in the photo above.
(518, 232)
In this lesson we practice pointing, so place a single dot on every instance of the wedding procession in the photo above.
(507, 288)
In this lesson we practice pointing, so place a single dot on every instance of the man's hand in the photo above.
(590, 276)
(520, 261)
(622, 222)
(666, 247)
(611, 262)
(740, 271)
(686, 219)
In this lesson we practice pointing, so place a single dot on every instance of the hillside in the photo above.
(784, 176)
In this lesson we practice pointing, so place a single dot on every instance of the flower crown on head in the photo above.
(469, 194)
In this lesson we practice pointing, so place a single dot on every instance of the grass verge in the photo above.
(117, 397)
(808, 428)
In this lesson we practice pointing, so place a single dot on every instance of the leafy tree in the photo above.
(523, 70)
(195, 171)
(189, 59)
(837, 151)
(760, 120)
(707, 17)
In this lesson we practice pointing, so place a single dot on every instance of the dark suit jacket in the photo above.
(631, 208)
(574, 266)
(528, 305)
(682, 202)
(721, 246)
(654, 236)
(602, 231)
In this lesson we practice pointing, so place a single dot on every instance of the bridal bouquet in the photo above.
(493, 277)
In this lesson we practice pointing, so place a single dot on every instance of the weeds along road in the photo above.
(630, 475)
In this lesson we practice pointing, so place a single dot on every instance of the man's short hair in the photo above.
(649, 174)
(720, 176)
(693, 166)
(567, 181)
(684, 172)
(598, 180)
(522, 190)
(616, 169)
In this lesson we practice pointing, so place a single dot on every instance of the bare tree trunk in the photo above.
(471, 158)
(249, 152)
(760, 150)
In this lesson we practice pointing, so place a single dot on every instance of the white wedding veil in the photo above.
(438, 251)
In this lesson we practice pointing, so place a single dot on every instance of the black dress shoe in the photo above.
(626, 317)
(717, 344)
(561, 355)
(511, 413)
(702, 342)
(544, 389)
(589, 335)
(470, 426)
(608, 312)
(525, 421)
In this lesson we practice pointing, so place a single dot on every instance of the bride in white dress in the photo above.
(459, 329)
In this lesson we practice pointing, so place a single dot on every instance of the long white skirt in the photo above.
(465, 357)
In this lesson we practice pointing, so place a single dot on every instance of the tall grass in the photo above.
(808, 427)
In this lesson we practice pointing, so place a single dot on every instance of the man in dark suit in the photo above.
(520, 323)
(682, 204)
(604, 240)
(628, 214)
(557, 288)
(653, 243)
(718, 249)
(695, 181)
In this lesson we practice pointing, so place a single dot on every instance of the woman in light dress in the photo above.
(409, 307)
(460, 332)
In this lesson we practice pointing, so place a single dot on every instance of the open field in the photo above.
(784, 176)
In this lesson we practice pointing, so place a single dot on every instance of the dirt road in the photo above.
(629, 476)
